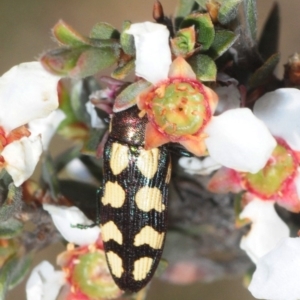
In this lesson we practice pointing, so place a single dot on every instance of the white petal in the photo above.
(96, 122)
(238, 140)
(266, 231)
(280, 111)
(78, 171)
(277, 273)
(21, 158)
(193, 165)
(153, 54)
(46, 127)
(27, 92)
(44, 282)
(229, 97)
(66, 217)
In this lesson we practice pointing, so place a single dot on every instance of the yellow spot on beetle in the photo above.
(119, 158)
(115, 262)
(149, 236)
(113, 195)
(148, 162)
(142, 267)
(110, 231)
(148, 198)
(169, 172)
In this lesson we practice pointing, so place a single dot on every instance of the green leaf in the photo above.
(70, 127)
(127, 40)
(228, 11)
(78, 99)
(12, 204)
(184, 8)
(127, 98)
(203, 26)
(66, 35)
(10, 228)
(202, 3)
(224, 39)
(12, 272)
(204, 67)
(72, 103)
(49, 176)
(123, 69)
(91, 143)
(81, 61)
(184, 41)
(62, 61)
(20, 271)
(5, 275)
(269, 39)
(251, 16)
(262, 74)
(104, 31)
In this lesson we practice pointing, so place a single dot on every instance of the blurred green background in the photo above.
(25, 34)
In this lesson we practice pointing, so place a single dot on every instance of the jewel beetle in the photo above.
(133, 201)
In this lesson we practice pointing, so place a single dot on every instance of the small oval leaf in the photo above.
(228, 11)
(251, 16)
(184, 8)
(123, 69)
(104, 31)
(262, 74)
(224, 39)
(80, 62)
(66, 35)
(127, 98)
(127, 40)
(184, 41)
(204, 67)
(203, 26)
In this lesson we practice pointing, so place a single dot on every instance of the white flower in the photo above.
(236, 138)
(27, 92)
(44, 282)
(194, 165)
(280, 110)
(46, 127)
(21, 157)
(266, 231)
(65, 218)
(153, 54)
(277, 273)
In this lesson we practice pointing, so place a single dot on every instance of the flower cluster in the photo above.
(84, 272)
(29, 98)
(240, 131)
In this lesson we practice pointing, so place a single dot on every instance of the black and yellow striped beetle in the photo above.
(133, 201)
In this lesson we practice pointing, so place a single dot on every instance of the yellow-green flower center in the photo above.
(273, 178)
(92, 277)
(180, 107)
